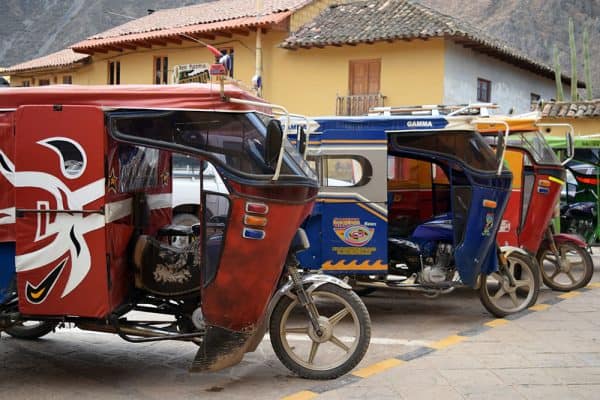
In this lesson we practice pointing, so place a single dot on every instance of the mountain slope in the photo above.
(34, 28)
(535, 26)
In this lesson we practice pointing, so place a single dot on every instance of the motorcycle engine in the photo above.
(404, 257)
(436, 265)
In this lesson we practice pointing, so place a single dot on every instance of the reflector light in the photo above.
(544, 183)
(587, 181)
(253, 220)
(257, 208)
(256, 234)
(555, 179)
(489, 204)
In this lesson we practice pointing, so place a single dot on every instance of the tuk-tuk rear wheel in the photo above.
(30, 330)
(501, 298)
(573, 262)
(345, 325)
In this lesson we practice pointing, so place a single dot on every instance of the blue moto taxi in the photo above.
(412, 202)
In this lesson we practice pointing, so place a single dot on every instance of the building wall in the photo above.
(305, 81)
(511, 86)
(34, 79)
(581, 126)
(308, 80)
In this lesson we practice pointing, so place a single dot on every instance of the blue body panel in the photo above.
(476, 252)
(7, 269)
(349, 237)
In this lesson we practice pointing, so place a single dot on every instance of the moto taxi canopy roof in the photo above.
(188, 96)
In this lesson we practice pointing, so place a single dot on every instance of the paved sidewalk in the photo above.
(549, 352)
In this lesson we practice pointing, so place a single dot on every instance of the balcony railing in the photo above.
(358, 104)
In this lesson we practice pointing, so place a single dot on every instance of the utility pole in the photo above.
(257, 78)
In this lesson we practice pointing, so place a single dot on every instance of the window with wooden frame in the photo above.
(161, 70)
(44, 82)
(114, 72)
(229, 65)
(484, 90)
(67, 80)
(364, 77)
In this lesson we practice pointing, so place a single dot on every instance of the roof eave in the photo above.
(162, 37)
(47, 69)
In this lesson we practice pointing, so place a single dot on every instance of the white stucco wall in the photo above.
(511, 86)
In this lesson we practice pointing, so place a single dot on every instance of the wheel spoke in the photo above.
(338, 316)
(313, 352)
(571, 277)
(513, 297)
(553, 260)
(300, 329)
(556, 272)
(499, 293)
(497, 276)
(577, 264)
(339, 343)
(523, 283)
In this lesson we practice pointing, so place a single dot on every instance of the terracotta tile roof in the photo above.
(370, 21)
(205, 17)
(60, 59)
(566, 109)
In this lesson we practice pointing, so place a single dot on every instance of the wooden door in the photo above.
(364, 77)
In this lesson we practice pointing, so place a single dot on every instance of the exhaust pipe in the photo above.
(141, 333)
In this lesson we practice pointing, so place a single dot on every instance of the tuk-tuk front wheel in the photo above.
(30, 330)
(572, 268)
(345, 333)
(513, 288)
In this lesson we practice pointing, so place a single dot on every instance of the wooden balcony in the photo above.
(358, 104)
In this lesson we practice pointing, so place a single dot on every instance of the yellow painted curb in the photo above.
(496, 322)
(594, 285)
(540, 307)
(569, 295)
(303, 395)
(449, 341)
(377, 368)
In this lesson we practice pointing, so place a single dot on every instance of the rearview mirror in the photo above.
(500, 147)
(570, 148)
(302, 141)
(273, 142)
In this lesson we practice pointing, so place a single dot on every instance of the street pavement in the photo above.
(550, 352)
(448, 347)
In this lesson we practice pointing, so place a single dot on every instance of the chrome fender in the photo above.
(313, 281)
(508, 250)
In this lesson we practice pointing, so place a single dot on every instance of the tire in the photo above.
(558, 275)
(492, 292)
(326, 297)
(35, 330)
(184, 219)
